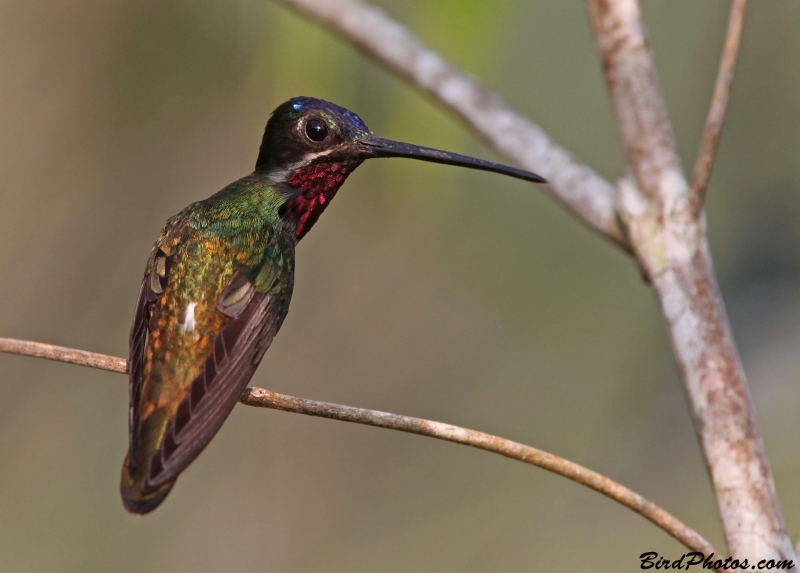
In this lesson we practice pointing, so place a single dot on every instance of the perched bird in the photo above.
(219, 280)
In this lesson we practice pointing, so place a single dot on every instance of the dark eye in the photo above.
(316, 130)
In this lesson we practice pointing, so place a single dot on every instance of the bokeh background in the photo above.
(424, 290)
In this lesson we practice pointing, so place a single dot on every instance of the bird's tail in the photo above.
(134, 498)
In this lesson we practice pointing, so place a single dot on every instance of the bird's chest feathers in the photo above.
(317, 186)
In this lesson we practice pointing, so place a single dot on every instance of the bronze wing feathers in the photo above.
(162, 447)
(227, 370)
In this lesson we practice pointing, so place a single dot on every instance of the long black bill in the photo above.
(381, 147)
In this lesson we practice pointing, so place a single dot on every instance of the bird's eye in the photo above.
(316, 130)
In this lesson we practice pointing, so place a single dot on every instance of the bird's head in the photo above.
(312, 145)
(306, 131)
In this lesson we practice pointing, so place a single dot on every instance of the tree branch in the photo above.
(719, 105)
(574, 184)
(514, 450)
(671, 245)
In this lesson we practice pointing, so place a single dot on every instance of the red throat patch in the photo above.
(318, 185)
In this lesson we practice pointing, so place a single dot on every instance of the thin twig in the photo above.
(490, 443)
(671, 246)
(719, 105)
(514, 450)
(513, 135)
(63, 354)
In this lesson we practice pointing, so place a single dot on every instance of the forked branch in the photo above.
(514, 450)
(672, 248)
(654, 215)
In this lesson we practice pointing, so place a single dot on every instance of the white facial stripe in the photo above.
(280, 175)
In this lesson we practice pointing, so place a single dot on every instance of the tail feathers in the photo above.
(134, 498)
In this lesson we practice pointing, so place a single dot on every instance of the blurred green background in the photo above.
(424, 290)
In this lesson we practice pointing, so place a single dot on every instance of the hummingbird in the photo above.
(219, 279)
